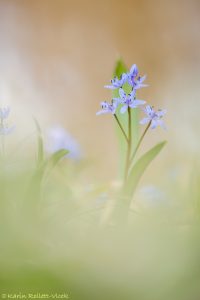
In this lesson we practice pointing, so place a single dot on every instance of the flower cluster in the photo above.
(129, 101)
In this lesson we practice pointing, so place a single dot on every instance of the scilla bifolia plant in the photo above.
(125, 108)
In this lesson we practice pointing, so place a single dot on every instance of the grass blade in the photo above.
(40, 148)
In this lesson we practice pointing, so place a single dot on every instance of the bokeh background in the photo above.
(56, 56)
(58, 227)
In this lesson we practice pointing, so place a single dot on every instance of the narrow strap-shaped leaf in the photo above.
(49, 164)
(40, 148)
(42, 172)
(57, 156)
(138, 169)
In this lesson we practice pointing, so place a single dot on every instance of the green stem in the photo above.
(129, 145)
(139, 143)
(120, 126)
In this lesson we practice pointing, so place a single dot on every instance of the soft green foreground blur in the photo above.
(59, 235)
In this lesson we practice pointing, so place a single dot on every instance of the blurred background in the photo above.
(56, 56)
(56, 230)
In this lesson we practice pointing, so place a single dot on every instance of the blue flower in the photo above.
(58, 138)
(128, 100)
(117, 82)
(4, 113)
(4, 128)
(107, 108)
(134, 80)
(155, 117)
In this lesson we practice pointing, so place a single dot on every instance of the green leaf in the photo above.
(47, 165)
(121, 68)
(41, 174)
(40, 149)
(139, 168)
(53, 160)
(56, 157)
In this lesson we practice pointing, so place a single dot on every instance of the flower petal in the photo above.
(154, 124)
(148, 110)
(101, 112)
(117, 100)
(135, 103)
(111, 87)
(132, 94)
(139, 102)
(161, 113)
(123, 79)
(134, 70)
(140, 85)
(123, 109)
(144, 121)
(122, 93)
(141, 79)
(161, 124)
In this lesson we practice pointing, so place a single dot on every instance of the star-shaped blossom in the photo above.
(117, 83)
(107, 108)
(134, 80)
(128, 100)
(155, 117)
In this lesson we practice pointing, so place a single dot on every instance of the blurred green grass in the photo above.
(53, 240)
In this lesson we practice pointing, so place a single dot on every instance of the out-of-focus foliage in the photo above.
(60, 235)
(53, 240)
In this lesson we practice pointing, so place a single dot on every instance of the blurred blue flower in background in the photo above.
(4, 128)
(153, 196)
(58, 138)
(4, 113)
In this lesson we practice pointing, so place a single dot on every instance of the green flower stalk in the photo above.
(124, 104)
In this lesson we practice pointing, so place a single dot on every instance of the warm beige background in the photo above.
(56, 56)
